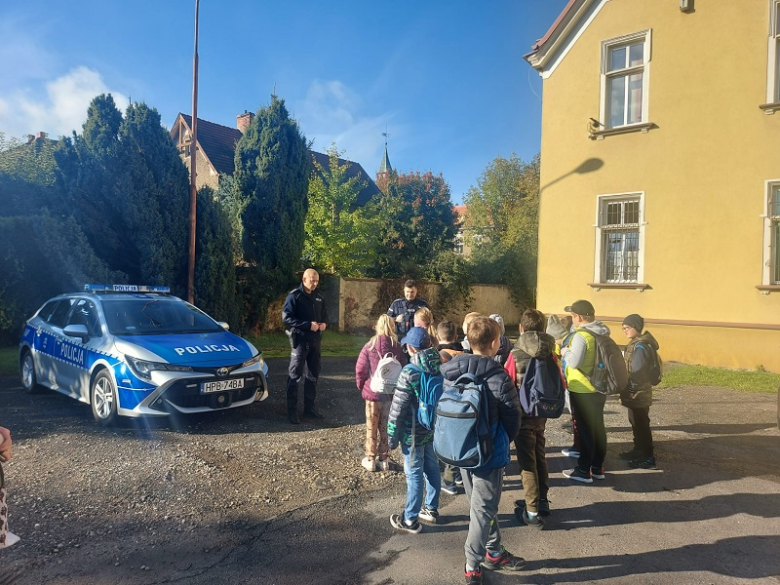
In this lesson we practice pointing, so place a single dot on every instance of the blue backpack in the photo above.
(462, 433)
(543, 391)
(431, 387)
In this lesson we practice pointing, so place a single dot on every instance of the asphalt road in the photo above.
(709, 515)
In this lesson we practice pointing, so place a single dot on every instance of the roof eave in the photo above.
(545, 48)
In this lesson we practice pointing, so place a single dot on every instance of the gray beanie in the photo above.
(555, 328)
(498, 319)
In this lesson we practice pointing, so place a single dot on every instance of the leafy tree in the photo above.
(272, 171)
(338, 232)
(417, 222)
(501, 225)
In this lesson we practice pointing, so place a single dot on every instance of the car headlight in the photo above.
(258, 359)
(143, 369)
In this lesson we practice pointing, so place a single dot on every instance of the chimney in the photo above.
(244, 120)
(41, 135)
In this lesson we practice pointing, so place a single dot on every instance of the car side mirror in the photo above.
(79, 331)
(225, 326)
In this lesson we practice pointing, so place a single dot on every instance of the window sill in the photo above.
(600, 134)
(768, 288)
(638, 286)
(770, 108)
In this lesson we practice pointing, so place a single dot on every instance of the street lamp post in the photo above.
(193, 164)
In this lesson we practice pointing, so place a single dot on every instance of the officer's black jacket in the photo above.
(300, 310)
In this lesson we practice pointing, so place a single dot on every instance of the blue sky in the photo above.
(446, 78)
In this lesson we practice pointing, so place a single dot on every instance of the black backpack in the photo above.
(610, 375)
(543, 391)
(656, 372)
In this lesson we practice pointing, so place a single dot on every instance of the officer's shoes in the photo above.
(312, 412)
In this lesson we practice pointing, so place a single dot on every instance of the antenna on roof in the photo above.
(274, 92)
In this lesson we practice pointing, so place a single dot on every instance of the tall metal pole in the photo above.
(193, 163)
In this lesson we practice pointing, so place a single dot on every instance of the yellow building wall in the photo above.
(702, 171)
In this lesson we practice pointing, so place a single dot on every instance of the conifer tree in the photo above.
(272, 168)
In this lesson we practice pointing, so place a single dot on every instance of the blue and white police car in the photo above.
(130, 350)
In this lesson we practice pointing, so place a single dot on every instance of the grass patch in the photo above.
(334, 344)
(752, 381)
(9, 361)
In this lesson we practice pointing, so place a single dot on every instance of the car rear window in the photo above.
(156, 317)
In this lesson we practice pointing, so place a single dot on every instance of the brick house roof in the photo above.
(218, 144)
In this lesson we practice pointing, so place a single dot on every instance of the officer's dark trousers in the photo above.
(304, 357)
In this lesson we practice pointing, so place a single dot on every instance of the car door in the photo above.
(75, 352)
(48, 341)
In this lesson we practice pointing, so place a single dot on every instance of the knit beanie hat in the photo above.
(498, 319)
(555, 328)
(635, 321)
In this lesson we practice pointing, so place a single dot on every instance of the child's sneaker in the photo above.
(397, 521)
(368, 463)
(458, 480)
(473, 577)
(570, 452)
(504, 560)
(449, 488)
(642, 463)
(385, 465)
(598, 473)
(577, 475)
(544, 507)
(428, 515)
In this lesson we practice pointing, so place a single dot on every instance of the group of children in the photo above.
(486, 352)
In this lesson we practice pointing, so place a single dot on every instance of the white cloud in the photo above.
(331, 113)
(58, 108)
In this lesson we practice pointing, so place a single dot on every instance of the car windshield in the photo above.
(156, 317)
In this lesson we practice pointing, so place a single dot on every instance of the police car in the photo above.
(130, 350)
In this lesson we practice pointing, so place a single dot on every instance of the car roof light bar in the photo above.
(125, 288)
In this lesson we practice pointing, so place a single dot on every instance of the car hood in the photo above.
(195, 349)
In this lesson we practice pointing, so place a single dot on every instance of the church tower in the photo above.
(383, 174)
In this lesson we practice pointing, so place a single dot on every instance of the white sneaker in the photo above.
(383, 465)
(10, 538)
(368, 463)
(569, 452)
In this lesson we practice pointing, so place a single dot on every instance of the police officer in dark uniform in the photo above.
(402, 310)
(305, 318)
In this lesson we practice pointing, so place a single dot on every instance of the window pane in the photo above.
(775, 255)
(613, 216)
(634, 99)
(636, 54)
(777, 72)
(617, 59)
(617, 104)
(631, 212)
(774, 208)
(621, 262)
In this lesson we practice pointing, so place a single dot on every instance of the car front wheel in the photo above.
(103, 399)
(29, 378)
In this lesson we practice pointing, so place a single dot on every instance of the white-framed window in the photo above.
(620, 238)
(625, 76)
(773, 61)
(772, 234)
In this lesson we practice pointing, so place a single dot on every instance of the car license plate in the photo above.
(222, 385)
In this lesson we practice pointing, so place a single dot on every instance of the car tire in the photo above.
(102, 397)
(28, 376)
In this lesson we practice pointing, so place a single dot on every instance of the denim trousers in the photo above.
(483, 490)
(422, 471)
